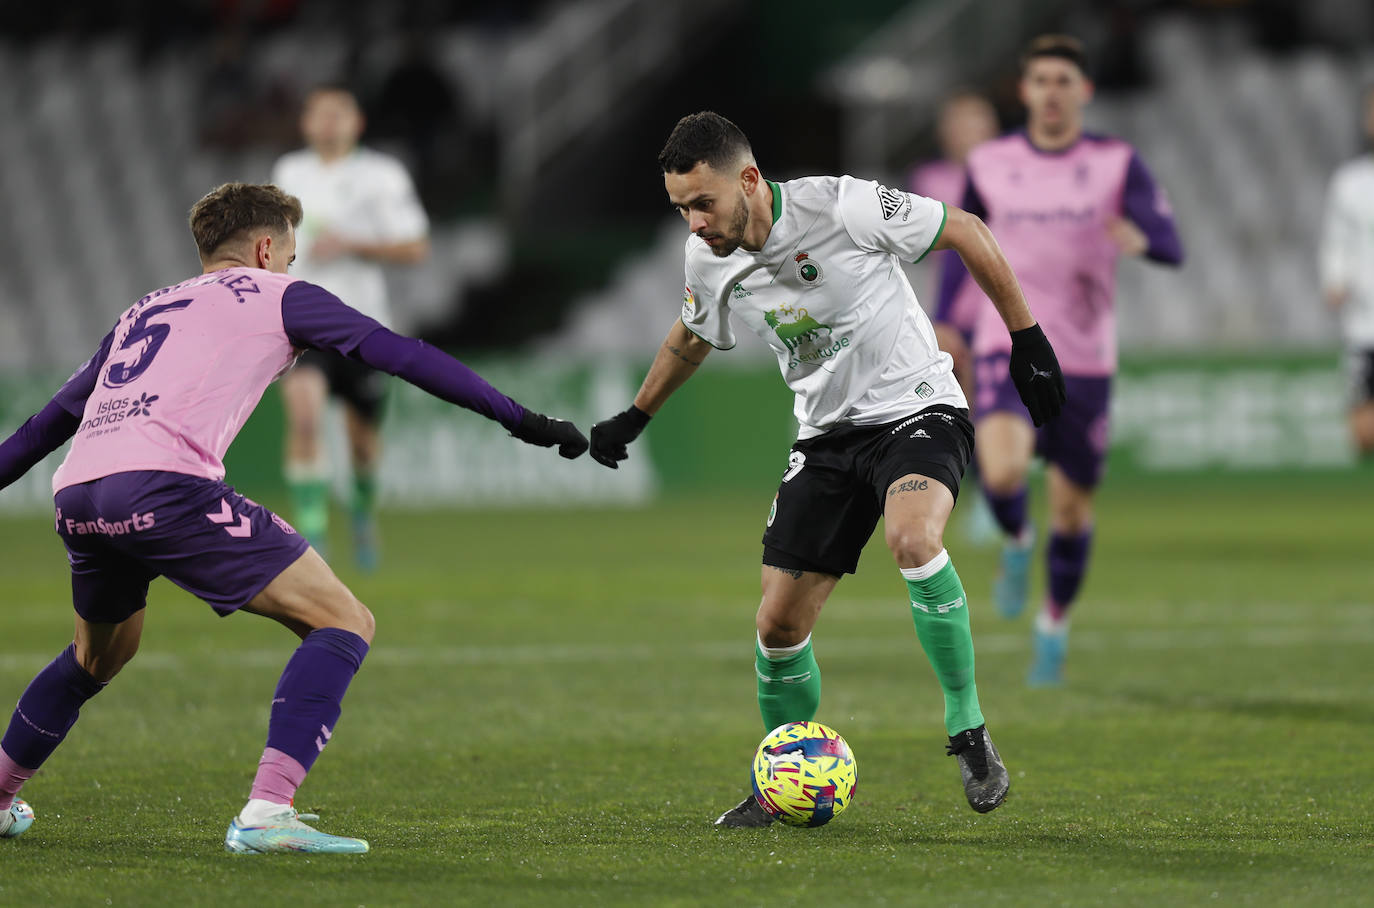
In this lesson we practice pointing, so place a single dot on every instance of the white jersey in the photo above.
(1347, 247)
(366, 196)
(828, 295)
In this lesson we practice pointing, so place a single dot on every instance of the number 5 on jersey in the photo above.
(151, 335)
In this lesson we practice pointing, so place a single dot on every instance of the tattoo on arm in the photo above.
(911, 485)
(794, 574)
(677, 351)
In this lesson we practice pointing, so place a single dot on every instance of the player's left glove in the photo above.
(1035, 372)
(538, 429)
(611, 437)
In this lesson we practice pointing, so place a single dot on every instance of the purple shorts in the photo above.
(1076, 442)
(123, 530)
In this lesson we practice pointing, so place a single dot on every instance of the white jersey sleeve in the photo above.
(705, 310)
(881, 219)
(1340, 230)
(400, 215)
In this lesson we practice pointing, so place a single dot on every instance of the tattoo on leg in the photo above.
(911, 485)
(791, 572)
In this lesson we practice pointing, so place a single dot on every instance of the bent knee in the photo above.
(916, 544)
(362, 622)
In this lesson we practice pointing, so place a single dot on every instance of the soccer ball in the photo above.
(804, 774)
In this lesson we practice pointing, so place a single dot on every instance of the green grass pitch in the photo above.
(558, 703)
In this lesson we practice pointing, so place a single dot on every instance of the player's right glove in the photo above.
(538, 429)
(611, 437)
(1035, 372)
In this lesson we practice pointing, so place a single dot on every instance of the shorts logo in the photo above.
(226, 516)
(809, 270)
(795, 461)
(772, 511)
(920, 433)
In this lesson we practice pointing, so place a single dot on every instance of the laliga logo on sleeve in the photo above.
(809, 270)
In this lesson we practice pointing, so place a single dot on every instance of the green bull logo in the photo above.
(802, 329)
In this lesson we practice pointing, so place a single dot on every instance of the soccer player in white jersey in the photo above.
(1347, 275)
(141, 494)
(361, 213)
(812, 266)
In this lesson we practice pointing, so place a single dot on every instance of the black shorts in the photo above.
(833, 492)
(1360, 371)
(359, 385)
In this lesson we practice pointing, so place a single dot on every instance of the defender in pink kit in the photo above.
(1065, 205)
(142, 494)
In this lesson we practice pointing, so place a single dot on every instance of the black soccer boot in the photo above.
(985, 778)
(747, 815)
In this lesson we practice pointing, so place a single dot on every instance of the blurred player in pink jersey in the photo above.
(141, 494)
(966, 120)
(1065, 205)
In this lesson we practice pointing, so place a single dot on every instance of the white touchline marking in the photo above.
(1240, 637)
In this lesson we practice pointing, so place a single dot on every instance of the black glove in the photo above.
(1035, 372)
(538, 429)
(610, 437)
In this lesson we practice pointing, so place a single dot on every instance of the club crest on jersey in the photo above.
(809, 270)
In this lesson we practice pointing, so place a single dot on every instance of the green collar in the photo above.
(777, 200)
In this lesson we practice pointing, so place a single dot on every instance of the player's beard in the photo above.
(733, 234)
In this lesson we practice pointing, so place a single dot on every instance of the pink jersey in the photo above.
(940, 180)
(944, 181)
(185, 367)
(1050, 212)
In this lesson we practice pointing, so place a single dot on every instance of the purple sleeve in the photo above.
(314, 317)
(438, 373)
(49, 428)
(953, 273)
(1146, 205)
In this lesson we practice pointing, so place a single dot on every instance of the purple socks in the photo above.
(46, 712)
(304, 709)
(1067, 559)
(1010, 510)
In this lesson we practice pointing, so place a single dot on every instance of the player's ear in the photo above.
(262, 251)
(750, 178)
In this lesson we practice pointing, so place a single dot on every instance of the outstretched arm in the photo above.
(314, 317)
(676, 361)
(49, 428)
(1034, 367)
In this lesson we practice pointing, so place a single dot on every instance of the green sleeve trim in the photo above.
(777, 202)
(944, 216)
(708, 340)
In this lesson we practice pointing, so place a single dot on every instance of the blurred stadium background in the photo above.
(532, 128)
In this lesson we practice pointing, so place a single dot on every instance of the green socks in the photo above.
(789, 683)
(940, 610)
(309, 492)
(364, 495)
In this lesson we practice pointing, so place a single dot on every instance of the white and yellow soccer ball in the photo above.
(804, 774)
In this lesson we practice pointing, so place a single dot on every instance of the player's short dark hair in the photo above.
(704, 136)
(230, 212)
(1065, 47)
